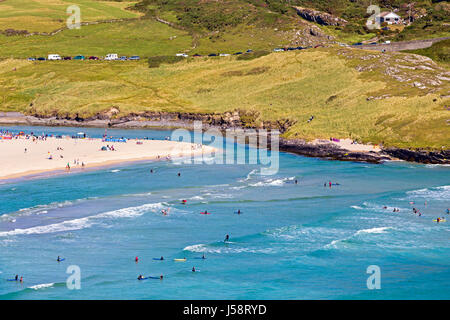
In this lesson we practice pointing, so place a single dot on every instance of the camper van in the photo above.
(111, 56)
(54, 57)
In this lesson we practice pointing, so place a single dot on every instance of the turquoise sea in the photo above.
(292, 241)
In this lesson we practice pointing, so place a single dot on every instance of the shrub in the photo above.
(253, 55)
(156, 61)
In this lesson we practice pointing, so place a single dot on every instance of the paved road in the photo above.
(402, 45)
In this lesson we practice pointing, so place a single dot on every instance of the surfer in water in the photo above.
(203, 256)
(59, 259)
(193, 269)
(21, 279)
(17, 277)
(160, 277)
(239, 211)
(162, 258)
(140, 277)
(227, 238)
(136, 259)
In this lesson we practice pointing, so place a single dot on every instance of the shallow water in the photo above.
(292, 241)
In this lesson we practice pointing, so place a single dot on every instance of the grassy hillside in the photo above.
(49, 15)
(346, 90)
(137, 37)
(439, 52)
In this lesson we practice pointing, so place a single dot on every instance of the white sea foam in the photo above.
(203, 248)
(441, 193)
(272, 182)
(116, 170)
(196, 198)
(81, 223)
(373, 230)
(42, 286)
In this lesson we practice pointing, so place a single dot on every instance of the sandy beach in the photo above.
(21, 157)
(347, 144)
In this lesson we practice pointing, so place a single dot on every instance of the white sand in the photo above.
(15, 162)
(347, 145)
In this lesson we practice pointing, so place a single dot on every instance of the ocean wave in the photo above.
(249, 175)
(204, 248)
(196, 198)
(41, 209)
(86, 222)
(272, 182)
(373, 230)
(436, 193)
(42, 286)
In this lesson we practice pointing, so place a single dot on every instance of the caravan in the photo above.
(54, 57)
(112, 56)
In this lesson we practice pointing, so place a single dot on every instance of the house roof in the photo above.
(390, 13)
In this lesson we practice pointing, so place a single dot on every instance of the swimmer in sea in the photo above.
(227, 238)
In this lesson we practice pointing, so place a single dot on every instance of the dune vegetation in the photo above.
(323, 82)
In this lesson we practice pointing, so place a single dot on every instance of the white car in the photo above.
(111, 56)
(54, 57)
(184, 55)
(224, 54)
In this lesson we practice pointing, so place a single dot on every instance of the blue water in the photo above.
(292, 241)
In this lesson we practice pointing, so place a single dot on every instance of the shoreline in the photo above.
(25, 156)
(36, 174)
(324, 149)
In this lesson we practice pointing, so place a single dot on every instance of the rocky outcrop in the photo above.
(330, 151)
(421, 156)
(320, 17)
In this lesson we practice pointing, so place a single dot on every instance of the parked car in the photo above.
(123, 58)
(197, 55)
(184, 55)
(358, 44)
(79, 57)
(31, 59)
(236, 53)
(212, 55)
(93, 58)
(373, 43)
(300, 48)
(111, 56)
(41, 59)
(224, 54)
(54, 57)
(67, 58)
(278, 49)
(134, 58)
(249, 50)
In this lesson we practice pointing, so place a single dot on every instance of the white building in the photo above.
(389, 18)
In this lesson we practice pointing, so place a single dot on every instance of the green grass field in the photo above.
(136, 37)
(290, 85)
(49, 15)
